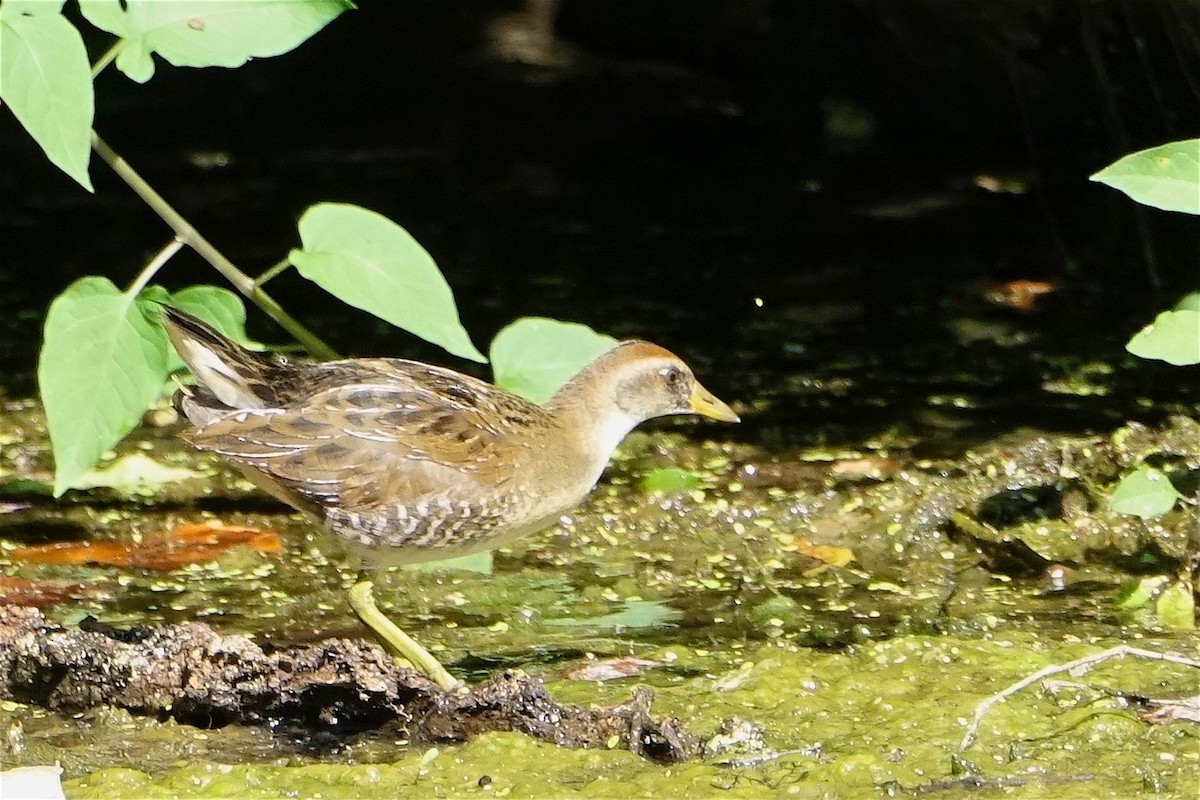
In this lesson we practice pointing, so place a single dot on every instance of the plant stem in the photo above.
(155, 264)
(191, 237)
(272, 272)
(107, 58)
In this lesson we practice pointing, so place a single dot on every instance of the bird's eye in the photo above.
(671, 376)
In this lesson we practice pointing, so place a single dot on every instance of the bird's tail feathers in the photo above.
(235, 376)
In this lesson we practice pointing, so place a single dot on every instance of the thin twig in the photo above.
(1078, 666)
(272, 273)
(107, 58)
(190, 236)
(154, 265)
(765, 758)
(976, 782)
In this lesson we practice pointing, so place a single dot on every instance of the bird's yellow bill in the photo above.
(706, 405)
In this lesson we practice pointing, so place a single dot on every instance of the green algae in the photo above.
(879, 718)
(870, 671)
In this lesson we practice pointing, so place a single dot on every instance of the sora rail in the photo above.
(406, 462)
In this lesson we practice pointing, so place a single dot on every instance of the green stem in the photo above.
(154, 265)
(191, 237)
(272, 272)
(107, 58)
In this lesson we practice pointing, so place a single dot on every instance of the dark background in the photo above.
(659, 165)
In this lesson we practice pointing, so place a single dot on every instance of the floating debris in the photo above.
(187, 544)
(610, 669)
(828, 555)
(40, 594)
(1019, 295)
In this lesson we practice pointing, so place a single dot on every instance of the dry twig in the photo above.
(1077, 667)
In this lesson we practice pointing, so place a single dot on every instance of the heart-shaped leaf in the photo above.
(46, 80)
(1167, 176)
(1145, 493)
(1174, 337)
(207, 33)
(370, 262)
(103, 362)
(535, 356)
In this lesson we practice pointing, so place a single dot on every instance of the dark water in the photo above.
(672, 171)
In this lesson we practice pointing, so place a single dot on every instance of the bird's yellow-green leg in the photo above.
(395, 640)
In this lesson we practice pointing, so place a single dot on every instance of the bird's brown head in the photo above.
(649, 381)
(629, 384)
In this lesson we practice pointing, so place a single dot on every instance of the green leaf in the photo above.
(1145, 493)
(535, 356)
(31, 8)
(46, 80)
(472, 562)
(1189, 302)
(1174, 337)
(1133, 596)
(1167, 176)
(670, 480)
(1176, 607)
(135, 475)
(370, 262)
(103, 363)
(637, 613)
(219, 307)
(207, 33)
